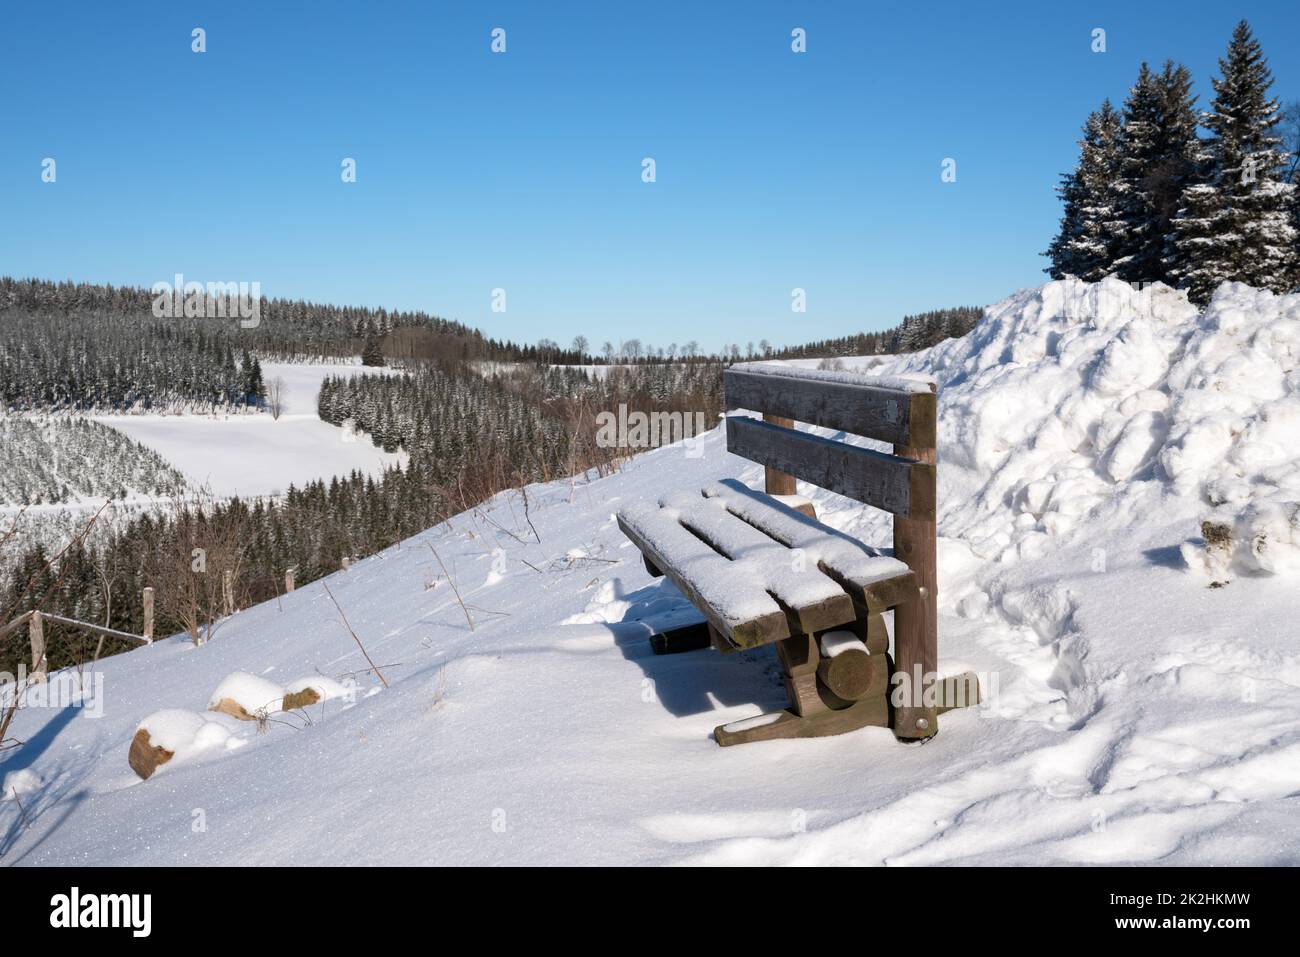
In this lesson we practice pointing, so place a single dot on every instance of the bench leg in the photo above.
(870, 712)
(676, 640)
(799, 656)
(814, 711)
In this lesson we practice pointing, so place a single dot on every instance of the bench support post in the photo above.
(916, 622)
(775, 481)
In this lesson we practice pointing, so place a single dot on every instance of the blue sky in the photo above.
(522, 170)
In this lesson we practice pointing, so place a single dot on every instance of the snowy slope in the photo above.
(253, 455)
(1137, 714)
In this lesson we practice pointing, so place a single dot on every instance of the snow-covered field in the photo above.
(1135, 713)
(253, 455)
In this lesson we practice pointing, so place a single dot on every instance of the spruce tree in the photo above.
(1159, 152)
(1133, 240)
(371, 354)
(1238, 225)
(1085, 245)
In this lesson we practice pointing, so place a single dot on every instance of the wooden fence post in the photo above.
(288, 580)
(777, 482)
(147, 599)
(916, 623)
(36, 630)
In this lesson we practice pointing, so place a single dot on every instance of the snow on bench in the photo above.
(729, 595)
(815, 601)
(876, 580)
(919, 386)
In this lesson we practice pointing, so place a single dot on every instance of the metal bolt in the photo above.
(922, 724)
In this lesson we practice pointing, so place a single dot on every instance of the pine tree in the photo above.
(258, 385)
(1159, 151)
(1238, 225)
(1085, 245)
(371, 354)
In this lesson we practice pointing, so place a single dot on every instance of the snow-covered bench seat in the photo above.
(763, 571)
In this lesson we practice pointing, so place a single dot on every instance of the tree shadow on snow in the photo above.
(21, 758)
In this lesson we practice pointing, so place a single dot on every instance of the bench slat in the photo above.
(902, 486)
(884, 413)
(813, 601)
(734, 603)
(877, 581)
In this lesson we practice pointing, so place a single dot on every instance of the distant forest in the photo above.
(468, 436)
(914, 333)
(83, 347)
(475, 415)
(77, 346)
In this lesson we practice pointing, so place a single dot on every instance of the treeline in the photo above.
(468, 437)
(1151, 199)
(97, 347)
(914, 333)
(63, 459)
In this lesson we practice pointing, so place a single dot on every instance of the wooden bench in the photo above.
(762, 569)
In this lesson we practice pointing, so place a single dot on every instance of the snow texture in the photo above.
(911, 384)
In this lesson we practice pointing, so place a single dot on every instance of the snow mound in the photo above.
(182, 732)
(253, 694)
(22, 781)
(1077, 403)
(327, 688)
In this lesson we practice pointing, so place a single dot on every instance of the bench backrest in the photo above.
(898, 411)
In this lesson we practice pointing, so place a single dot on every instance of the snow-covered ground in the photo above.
(253, 455)
(1136, 714)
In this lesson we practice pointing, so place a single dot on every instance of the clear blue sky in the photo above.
(523, 170)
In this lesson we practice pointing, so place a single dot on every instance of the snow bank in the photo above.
(1078, 403)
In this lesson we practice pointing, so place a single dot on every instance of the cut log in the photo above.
(234, 709)
(296, 699)
(144, 757)
(846, 668)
